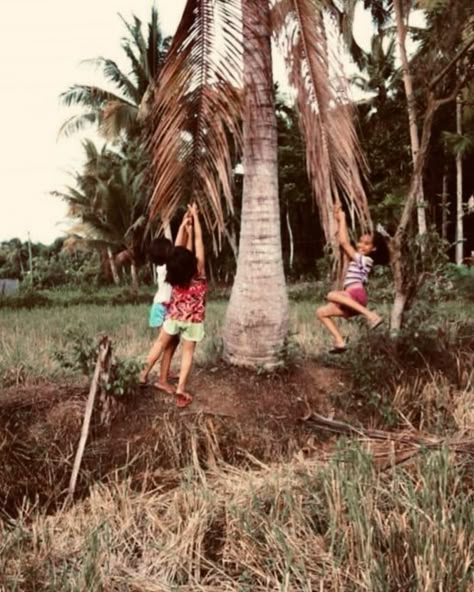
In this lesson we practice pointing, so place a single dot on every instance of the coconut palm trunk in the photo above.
(256, 322)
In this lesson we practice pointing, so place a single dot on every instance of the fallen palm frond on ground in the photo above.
(332, 523)
(390, 448)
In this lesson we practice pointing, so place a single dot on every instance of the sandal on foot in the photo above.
(376, 323)
(183, 400)
(339, 349)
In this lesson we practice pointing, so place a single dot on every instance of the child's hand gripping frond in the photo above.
(198, 242)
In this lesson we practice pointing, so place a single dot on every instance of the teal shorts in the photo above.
(185, 329)
(157, 314)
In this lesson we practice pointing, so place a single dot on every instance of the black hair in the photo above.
(160, 250)
(381, 253)
(181, 267)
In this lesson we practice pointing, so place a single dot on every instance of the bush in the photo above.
(462, 278)
(80, 355)
(424, 349)
(26, 298)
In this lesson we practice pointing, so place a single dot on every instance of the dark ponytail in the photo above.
(381, 253)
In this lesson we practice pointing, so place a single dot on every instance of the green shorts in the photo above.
(185, 329)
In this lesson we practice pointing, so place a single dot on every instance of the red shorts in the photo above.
(356, 292)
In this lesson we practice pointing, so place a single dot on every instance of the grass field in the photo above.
(339, 516)
(28, 337)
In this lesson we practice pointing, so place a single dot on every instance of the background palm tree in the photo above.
(124, 110)
(108, 204)
(378, 71)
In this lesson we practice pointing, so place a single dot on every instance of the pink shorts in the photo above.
(356, 292)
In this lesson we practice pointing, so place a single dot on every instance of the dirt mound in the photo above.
(246, 413)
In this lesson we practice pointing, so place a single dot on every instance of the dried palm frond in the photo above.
(333, 155)
(190, 143)
(389, 448)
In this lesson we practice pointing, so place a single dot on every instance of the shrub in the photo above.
(80, 355)
(425, 348)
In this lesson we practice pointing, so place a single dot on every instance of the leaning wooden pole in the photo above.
(104, 347)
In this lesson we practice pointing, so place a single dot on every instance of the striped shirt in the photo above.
(358, 270)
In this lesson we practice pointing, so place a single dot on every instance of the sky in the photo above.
(42, 45)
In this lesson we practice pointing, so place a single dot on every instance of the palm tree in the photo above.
(122, 111)
(108, 203)
(204, 78)
(260, 243)
(378, 70)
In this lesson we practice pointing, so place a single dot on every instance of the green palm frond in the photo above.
(458, 144)
(113, 74)
(78, 123)
(139, 69)
(109, 199)
(135, 31)
(333, 155)
(191, 142)
(91, 97)
(155, 45)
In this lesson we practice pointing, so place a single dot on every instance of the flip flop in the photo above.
(183, 400)
(375, 324)
(340, 349)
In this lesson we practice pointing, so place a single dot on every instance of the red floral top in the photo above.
(189, 304)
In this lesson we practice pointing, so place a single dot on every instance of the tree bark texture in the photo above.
(134, 274)
(403, 278)
(444, 206)
(256, 323)
(411, 108)
(113, 267)
(459, 188)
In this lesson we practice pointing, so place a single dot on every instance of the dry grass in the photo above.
(302, 525)
(196, 511)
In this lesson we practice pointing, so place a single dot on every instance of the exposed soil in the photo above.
(247, 414)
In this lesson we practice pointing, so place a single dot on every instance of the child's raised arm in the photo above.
(343, 235)
(183, 232)
(198, 242)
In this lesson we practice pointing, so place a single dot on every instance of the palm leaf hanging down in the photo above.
(191, 142)
(333, 156)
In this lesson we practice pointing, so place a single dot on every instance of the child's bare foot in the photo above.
(375, 321)
(143, 379)
(183, 399)
(166, 387)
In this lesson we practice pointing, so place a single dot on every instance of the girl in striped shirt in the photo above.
(352, 300)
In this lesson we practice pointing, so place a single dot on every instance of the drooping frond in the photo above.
(118, 116)
(77, 123)
(91, 97)
(197, 110)
(114, 75)
(333, 155)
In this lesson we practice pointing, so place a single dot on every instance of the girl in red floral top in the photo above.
(186, 273)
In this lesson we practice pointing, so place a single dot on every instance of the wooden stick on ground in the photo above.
(104, 347)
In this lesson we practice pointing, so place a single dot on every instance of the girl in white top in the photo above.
(160, 252)
(161, 299)
(352, 300)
